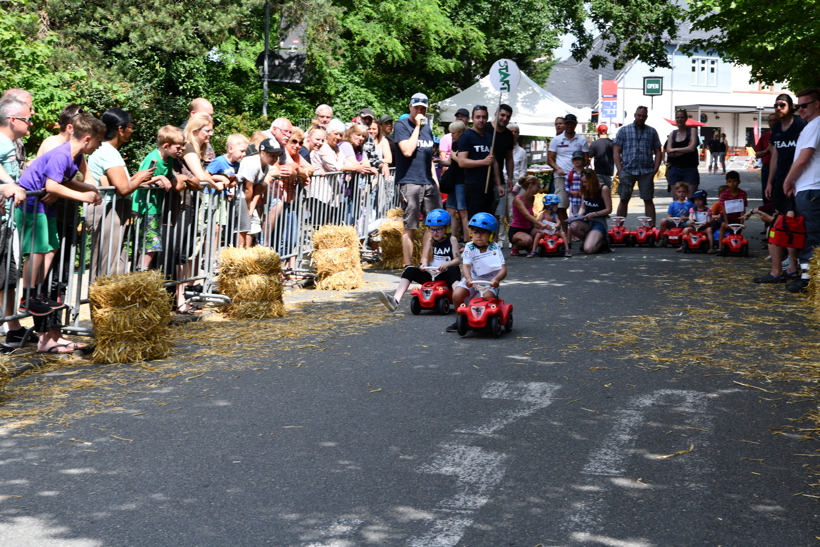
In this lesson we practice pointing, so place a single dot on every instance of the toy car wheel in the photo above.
(609, 239)
(744, 250)
(509, 325)
(650, 240)
(664, 241)
(541, 251)
(415, 306)
(561, 250)
(704, 246)
(724, 250)
(462, 326)
(495, 325)
(631, 241)
(443, 305)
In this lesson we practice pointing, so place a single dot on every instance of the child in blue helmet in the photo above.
(439, 250)
(482, 259)
(550, 223)
(700, 214)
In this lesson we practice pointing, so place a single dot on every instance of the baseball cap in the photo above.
(270, 145)
(577, 154)
(570, 118)
(463, 112)
(603, 129)
(384, 118)
(366, 113)
(418, 98)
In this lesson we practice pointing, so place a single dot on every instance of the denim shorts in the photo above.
(457, 200)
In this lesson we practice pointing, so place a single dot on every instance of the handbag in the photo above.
(788, 231)
(447, 182)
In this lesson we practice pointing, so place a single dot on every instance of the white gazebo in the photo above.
(534, 108)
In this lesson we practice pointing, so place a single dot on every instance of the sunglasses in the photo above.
(294, 141)
(781, 105)
(804, 105)
(27, 120)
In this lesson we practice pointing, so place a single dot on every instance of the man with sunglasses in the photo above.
(803, 181)
(784, 134)
(24, 97)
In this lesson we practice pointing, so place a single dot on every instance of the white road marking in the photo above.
(477, 470)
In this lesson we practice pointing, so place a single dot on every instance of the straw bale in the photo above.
(390, 233)
(814, 286)
(331, 236)
(341, 281)
(340, 259)
(130, 314)
(256, 297)
(5, 373)
(235, 263)
(396, 213)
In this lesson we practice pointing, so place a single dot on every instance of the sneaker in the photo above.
(53, 304)
(14, 338)
(388, 301)
(798, 285)
(786, 262)
(5, 350)
(452, 328)
(35, 306)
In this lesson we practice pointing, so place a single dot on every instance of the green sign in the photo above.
(653, 85)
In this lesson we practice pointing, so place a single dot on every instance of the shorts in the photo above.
(682, 224)
(513, 230)
(605, 180)
(686, 174)
(560, 192)
(150, 232)
(40, 227)
(646, 185)
(778, 196)
(597, 225)
(473, 291)
(416, 199)
(7, 262)
(457, 200)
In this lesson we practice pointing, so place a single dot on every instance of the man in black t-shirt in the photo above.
(502, 150)
(414, 171)
(475, 157)
(601, 153)
(782, 143)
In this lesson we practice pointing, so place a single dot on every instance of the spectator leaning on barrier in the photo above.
(255, 173)
(53, 172)
(66, 129)
(803, 181)
(108, 221)
(600, 152)
(14, 124)
(201, 106)
(637, 155)
(414, 171)
(25, 97)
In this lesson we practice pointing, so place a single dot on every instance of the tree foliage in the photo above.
(782, 47)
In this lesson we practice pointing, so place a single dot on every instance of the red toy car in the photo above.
(695, 240)
(551, 244)
(735, 243)
(672, 236)
(484, 313)
(618, 234)
(646, 234)
(431, 295)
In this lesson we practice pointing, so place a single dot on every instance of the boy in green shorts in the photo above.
(147, 204)
(53, 172)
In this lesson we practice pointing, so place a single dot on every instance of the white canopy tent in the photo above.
(534, 108)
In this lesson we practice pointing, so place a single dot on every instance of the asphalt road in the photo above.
(578, 428)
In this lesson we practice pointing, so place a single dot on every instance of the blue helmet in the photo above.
(550, 200)
(438, 217)
(700, 194)
(404, 116)
(485, 221)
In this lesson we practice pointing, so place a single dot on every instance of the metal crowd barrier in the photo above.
(181, 234)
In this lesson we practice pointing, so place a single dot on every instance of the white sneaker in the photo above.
(388, 301)
(785, 263)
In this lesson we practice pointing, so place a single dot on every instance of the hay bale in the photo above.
(255, 296)
(5, 373)
(331, 236)
(341, 281)
(814, 285)
(390, 233)
(236, 263)
(393, 214)
(130, 314)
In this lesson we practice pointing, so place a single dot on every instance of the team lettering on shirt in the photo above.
(481, 148)
(424, 144)
(786, 144)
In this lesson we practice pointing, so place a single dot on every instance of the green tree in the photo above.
(777, 40)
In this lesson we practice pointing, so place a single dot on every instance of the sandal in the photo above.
(70, 347)
(769, 278)
(531, 254)
(567, 253)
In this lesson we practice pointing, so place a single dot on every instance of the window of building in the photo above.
(704, 71)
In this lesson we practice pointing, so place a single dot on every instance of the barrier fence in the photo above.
(180, 233)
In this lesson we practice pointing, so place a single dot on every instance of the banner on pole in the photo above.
(505, 75)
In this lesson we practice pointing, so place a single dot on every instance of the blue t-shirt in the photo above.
(418, 168)
(221, 166)
(678, 209)
(57, 165)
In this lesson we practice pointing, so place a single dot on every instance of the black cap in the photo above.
(366, 113)
(463, 112)
(270, 145)
(571, 118)
(384, 118)
(578, 155)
